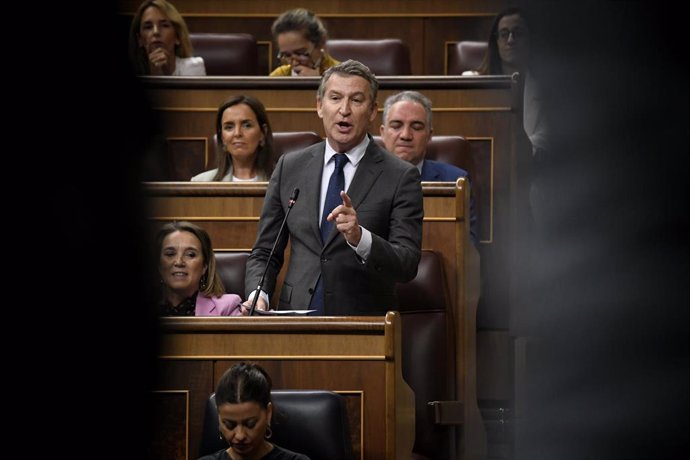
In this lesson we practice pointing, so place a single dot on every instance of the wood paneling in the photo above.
(353, 8)
(482, 109)
(423, 25)
(226, 209)
(171, 425)
(196, 378)
(351, 355)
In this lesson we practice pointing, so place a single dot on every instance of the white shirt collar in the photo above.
(354, 155)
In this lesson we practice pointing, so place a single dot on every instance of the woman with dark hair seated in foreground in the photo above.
(243, 398)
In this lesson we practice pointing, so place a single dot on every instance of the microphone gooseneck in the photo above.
(291, 202)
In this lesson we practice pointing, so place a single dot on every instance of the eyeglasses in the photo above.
(299, 55)
(517, 33)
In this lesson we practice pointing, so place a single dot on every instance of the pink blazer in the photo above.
(226, 305)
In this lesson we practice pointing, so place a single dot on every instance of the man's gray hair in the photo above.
(412, 96)
(352, 68)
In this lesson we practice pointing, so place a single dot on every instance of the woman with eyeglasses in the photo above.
(509, 45)
(300, 37)
(509, 52)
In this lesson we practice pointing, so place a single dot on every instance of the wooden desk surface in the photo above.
(358, 357)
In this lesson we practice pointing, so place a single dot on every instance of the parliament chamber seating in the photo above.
(309, 422)
(388, 56)
(454, 150)
(465, 55)
(230, 268)
(437, 318)
(428, 358)
(290, 141)
(184, 159)
(428, 351)
(457, 151)
(227, 54)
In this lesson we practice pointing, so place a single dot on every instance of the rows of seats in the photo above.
(427, 347)
(237, 54)
(185, 158)
(465, 55)
(227, 54)
(184, 163)
(383, 57)
(310, 422)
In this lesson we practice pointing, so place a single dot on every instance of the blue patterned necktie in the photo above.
(335, 185)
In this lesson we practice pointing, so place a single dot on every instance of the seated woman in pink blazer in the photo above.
(190, 285)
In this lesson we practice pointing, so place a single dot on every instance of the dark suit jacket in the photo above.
(435, 171)
(387, 195)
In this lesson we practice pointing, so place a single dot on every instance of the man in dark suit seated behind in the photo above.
(406, 132)
(347, 256)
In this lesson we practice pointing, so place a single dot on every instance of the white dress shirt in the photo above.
(354, 156)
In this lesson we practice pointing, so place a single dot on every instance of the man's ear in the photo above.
(374, 111)
(318, 108)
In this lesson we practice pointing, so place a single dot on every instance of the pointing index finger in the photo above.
(346, 199)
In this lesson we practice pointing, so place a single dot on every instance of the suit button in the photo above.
(324, 260)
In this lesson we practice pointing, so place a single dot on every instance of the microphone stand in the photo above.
(291, 203)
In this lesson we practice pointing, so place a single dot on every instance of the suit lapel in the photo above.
(429, 171)
(311, 186)
(369, 169)
(204, 306)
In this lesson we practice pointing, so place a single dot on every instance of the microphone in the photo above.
(291, 203)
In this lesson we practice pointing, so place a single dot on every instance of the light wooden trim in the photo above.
(361, 419)
(472, 444)
(269, 52)
(446, 55)
(276, 357)
(206, 218)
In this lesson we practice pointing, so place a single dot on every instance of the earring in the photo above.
(203, 282)
(269, 432)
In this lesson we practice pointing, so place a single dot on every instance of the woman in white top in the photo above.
(245, 142)
(159, 42)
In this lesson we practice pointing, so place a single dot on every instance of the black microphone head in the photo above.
(295, 194)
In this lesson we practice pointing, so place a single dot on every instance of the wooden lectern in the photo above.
(358, 357)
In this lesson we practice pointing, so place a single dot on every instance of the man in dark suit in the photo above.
(346, 258)
(406, 132)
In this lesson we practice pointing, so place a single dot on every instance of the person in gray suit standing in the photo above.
(356, 230)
